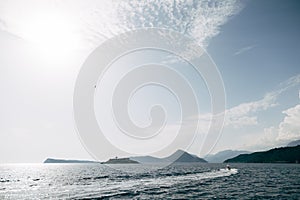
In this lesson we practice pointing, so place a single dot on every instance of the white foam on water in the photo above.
(167, 181)
(170, 180)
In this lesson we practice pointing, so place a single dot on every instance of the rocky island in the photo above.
(120, 161)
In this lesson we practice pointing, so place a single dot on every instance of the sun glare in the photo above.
(52, 34)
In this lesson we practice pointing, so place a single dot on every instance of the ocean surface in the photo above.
(180, 181)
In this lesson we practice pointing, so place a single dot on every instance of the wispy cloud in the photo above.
(244, 114)
(98, 21)
(244, 49)
(281, 134)
(289, 128)
(200, 19)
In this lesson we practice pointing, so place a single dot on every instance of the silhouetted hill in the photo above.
(277, 155)
(178, 157)
(183, 157)
(146, 159)
(221, 156)
(293, 143)
(52, 160)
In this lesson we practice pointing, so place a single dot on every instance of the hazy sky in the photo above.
(255, 45)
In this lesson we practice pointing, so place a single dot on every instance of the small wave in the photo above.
(100, 177)
(32, 185)
(95, 178)
(123, 176)
(104, 196)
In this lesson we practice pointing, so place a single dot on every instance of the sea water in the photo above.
(180, 181)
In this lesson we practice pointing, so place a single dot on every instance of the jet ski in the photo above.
(228, 167)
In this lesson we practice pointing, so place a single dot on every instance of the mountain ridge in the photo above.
(293, 143)
(276, 155)
(221, 156)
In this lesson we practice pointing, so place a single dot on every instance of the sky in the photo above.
(255, 45)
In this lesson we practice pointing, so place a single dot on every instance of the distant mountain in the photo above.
(183, 157)
(277, 155)
(221, 156)
(146, 159)
(120, 161)
(178, 157)
(52, 160)
(293, 143)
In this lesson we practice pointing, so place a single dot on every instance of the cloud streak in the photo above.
(244, 49)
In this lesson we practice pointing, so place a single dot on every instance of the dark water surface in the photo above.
(192, 181)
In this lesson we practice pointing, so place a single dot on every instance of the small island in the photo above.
(110, 161)
(120, 161)
(52, 160)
